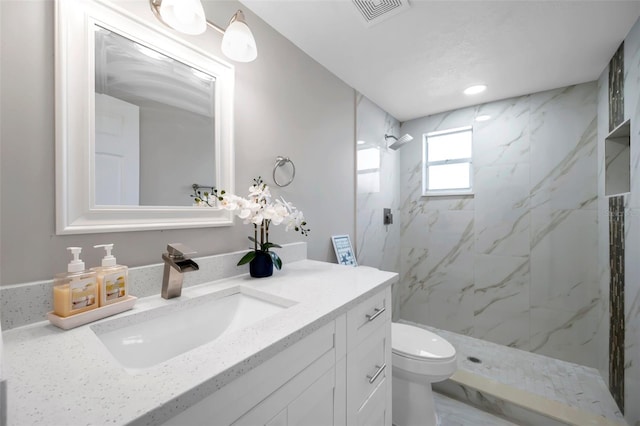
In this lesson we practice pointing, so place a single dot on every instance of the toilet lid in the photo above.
(417, 343)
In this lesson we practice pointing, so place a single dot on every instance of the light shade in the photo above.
(186, 16)
(238, 43)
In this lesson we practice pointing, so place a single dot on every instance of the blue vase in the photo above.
(261, 266)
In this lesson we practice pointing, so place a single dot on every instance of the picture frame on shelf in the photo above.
(344, 250)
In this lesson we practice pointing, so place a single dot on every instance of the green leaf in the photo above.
(267, 246)
(247, 258)
(277, 262)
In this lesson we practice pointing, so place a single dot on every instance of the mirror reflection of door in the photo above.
(117, 152)
(176, 127)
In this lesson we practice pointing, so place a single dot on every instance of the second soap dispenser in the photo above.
(112, 278)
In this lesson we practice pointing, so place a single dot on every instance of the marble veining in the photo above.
(521, 268)
(540, 340)
(562, 183)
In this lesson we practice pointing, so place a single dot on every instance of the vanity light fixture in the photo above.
(187, 16)
(474, 90)
(238, 43)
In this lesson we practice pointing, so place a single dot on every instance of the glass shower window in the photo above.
(449, 176)
(447, 162)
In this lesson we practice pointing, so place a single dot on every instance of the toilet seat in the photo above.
(422, 352)
(419, 344)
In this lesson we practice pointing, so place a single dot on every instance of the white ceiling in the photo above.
(417, 62)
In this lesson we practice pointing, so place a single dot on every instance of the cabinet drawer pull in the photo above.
(378, 312)
(377, 373)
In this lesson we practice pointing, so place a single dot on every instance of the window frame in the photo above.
(426, 192)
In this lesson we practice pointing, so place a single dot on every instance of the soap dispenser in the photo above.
(76, 290)
(112, 278)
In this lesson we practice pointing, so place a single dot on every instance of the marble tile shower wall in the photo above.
(516, 263)
(377, 245)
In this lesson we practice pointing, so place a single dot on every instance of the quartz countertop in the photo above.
(58, 377)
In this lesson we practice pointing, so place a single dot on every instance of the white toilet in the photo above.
(419, 358)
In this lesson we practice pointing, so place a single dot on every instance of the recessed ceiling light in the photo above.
(474, 90)
(483, 117)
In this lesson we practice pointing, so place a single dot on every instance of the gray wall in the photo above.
(285, 104)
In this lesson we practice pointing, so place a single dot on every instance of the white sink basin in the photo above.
(148, 338)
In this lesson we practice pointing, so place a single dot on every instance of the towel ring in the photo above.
(281, 161)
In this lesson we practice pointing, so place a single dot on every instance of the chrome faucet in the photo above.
(176, 262)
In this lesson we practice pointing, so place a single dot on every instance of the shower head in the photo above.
(398, 142)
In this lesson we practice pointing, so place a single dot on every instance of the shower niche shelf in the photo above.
(617, 160)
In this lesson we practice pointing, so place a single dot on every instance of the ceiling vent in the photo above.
(376, 11)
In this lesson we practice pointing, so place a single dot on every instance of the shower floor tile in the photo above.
(456, 413)
(570, 384)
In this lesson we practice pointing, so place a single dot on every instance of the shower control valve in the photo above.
(387, 217)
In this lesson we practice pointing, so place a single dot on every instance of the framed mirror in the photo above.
(141, 116)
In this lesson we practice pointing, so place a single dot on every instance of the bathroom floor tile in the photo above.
(570, 384)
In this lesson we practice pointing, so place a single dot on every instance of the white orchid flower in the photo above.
(269, 212)
(266, 193)
(294, 220)
(276, 213)
(281, 212)
(257, 219)
(230, 202)
(243, 213)
(260, 193)
(286, 204)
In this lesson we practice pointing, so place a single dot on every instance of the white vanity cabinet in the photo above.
(327, 378)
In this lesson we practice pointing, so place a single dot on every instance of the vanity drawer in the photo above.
(368, 365)
(365, 318)
(376, 411)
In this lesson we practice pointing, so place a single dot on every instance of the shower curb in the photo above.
(516, 404)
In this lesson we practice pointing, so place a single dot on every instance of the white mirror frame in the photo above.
(76, 211)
